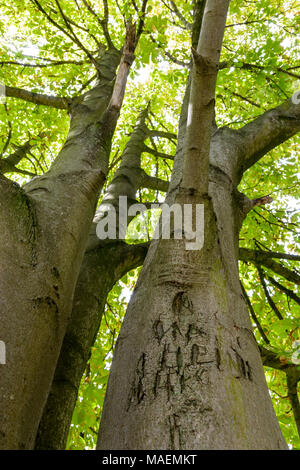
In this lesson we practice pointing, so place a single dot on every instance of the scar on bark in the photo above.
(177, 302)
(158, 329)
(240, 367)
(181, 300)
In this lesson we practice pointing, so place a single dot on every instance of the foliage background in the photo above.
(260, 69)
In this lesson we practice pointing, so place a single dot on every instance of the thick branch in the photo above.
(151, 182)
(202, 96)
(259, 254)
(271, 359)
(126, 62)
(265, 259)
(267, 132)
(38, 98)
(292, 379)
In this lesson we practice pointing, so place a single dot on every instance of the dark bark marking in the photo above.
(179, 360)
(140, 371)
(248, 371)
(137, 391)
(175, 329)
(194, 354)
(158, 329)
(177, 303)
(218, 357)
(156, 383)
(55, 272)
(193, 331)
(175, 433)
(202, 376)
(239, 367)
(182, 383)
(55, 287)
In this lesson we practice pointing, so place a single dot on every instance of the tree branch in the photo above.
(180, 16)
(267, 132)
(259, 254)
(126, 62)
(39, 98)
(247, 66)
(7, 165)
(284, 289)
(163, 134)
(202, 96)
(156, 153)
(267, 294)
(271, 359)
(253, 315)
(140, 27)
(51, 64)
(265, 259)
(100, 269)
(70, 35)
(151, 182)
(176, 61)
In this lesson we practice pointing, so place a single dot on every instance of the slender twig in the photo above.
(253, 315)
(267, 294)
(284, 289)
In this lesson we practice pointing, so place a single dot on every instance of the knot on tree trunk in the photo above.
(204, 65)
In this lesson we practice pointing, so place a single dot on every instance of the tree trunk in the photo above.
(44, 231)
(100, 269)
(104, 263)
(187, 372)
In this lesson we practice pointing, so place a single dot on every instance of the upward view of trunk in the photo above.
(187, 372)
(46, 242)
(104, 263)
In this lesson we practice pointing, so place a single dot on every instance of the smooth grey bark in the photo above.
(218, 166)
(271, 359)
(101, 268)
(187, 372)
(44, 230)
(104, 263)
(187, 367)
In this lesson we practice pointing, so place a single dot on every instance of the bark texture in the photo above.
(44, 232)
(104, 263)
(187, 372)
(100, 269)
